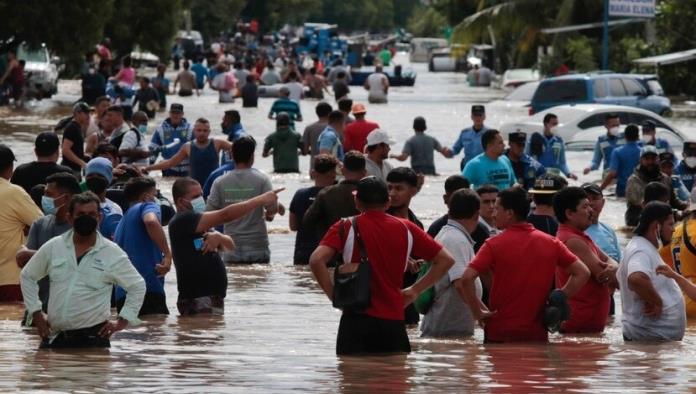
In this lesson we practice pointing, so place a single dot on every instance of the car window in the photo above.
(523, 93)
(655, 87)
(616, 88)
(592, 121)
(600, 88)
(639, 119)
(633, 88)
(562, 90)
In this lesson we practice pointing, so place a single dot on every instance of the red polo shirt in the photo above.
(355, 134)
(523, 261)
(589, 307)
(386, 243)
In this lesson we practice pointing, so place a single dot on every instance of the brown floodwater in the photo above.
(278, 332)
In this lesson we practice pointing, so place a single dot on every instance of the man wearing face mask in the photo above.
(83, 267)
(649, 138)
(60, 188)
(200, 272)
(687, 167)
(551, 153)
(648, 171)
(141, 236)
(134, 149)
(99, 175)
(623, 162)
(526, 168)
(606, 144)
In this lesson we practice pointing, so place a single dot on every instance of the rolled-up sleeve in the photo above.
(126, 276)
(36, 269)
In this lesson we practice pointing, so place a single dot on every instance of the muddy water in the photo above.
(278, 333)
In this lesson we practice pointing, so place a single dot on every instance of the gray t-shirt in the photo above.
(43, 229)
(130, 141)
(236, 186)
(449, 315)
(310, 137)
(421, 148)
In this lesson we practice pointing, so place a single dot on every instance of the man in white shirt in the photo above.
(377, 85)
(378, 147)
(653, 305)
(449, 315)
(83, 267)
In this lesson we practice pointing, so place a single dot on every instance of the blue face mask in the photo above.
(198, 204)
(48, 205)
(142, 129)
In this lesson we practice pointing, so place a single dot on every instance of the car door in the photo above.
(636, 91)
(618, 94)
(599, 90)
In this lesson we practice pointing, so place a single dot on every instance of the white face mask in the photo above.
(647, 138)
(614, 131)
(690, 161)
(553, 130)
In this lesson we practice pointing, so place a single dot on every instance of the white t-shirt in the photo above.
(130, 141)
(296, 90)
(375, 85)
(449, 315)
(642, 256)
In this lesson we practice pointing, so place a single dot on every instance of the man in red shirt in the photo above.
(522, 262)
(388, 243)
(355, 133)
(590, 306)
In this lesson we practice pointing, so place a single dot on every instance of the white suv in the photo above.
(41, 73)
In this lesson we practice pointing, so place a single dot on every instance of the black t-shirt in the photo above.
(547, 224)
(35, 173)
(197, 274)
(340, 89)
(250, 95)
(306, 240)
(73, 132)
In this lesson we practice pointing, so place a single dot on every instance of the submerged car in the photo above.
(515, 77)
(41, 71)
(580, 125)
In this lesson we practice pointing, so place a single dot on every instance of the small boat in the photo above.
(397, 76)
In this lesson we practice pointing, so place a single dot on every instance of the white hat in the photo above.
(379, 136)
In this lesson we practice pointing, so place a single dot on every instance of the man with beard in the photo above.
(590, 305)
(647, 171)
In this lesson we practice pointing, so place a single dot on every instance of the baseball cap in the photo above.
(592, 188)
(649, 124)
(176, 107)
(101, 166)
(648, 150)
(46, 143)
(419, 123)
(548, 184)
(81, 106)
(358, 108)
(689, 146)
(6, 156)
(379, 136)
(478, 110)
(517, 137)
(668, 157)
(372, 190)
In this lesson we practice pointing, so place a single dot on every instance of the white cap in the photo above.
(379, 136)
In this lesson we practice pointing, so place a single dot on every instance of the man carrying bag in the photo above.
(374, 322)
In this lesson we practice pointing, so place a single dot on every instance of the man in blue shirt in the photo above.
(490, 167)
(470, 138)
(624, 160)
(549, 149)
(329, 140)
(686, 169)
(170, 137)
(606, 144)
(201, 72)
(141, 236)
(284, 104)
(233, 129)
(526, 168)
(667, 164)
(649, 138)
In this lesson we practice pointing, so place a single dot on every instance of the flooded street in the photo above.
(278, 332)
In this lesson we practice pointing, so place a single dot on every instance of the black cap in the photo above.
(668, 157)
(176, 107)
(81, 106)
(419, 123)
(46, 143)
(229, 112)
(372, 190)
(592, 188)
(478, 110)
(517, 137)
(7, 157)
(649, 124)
(548, 184)
(689, 146)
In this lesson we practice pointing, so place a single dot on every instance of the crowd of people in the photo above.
(519, 250)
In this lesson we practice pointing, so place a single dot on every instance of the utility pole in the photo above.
(605, 37)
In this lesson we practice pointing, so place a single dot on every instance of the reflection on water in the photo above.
(278, 332)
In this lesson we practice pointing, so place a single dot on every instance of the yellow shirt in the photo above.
(683, 261)
(17, 211)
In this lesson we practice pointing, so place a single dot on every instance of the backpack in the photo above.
(119, 140)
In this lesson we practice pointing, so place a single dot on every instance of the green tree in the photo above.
(210, 17)
(428, 22)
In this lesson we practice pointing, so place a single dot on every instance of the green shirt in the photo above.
(285, 143)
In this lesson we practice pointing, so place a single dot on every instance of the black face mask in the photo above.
(97, 184)
(652, 172)
(85, 225)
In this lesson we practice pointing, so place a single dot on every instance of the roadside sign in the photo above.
(632, 8)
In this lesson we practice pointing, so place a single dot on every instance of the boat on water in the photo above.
(398, 75)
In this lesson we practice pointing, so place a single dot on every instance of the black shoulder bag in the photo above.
(351, 291)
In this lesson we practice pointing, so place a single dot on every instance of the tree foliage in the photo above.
(210, 17)
(428, 22)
